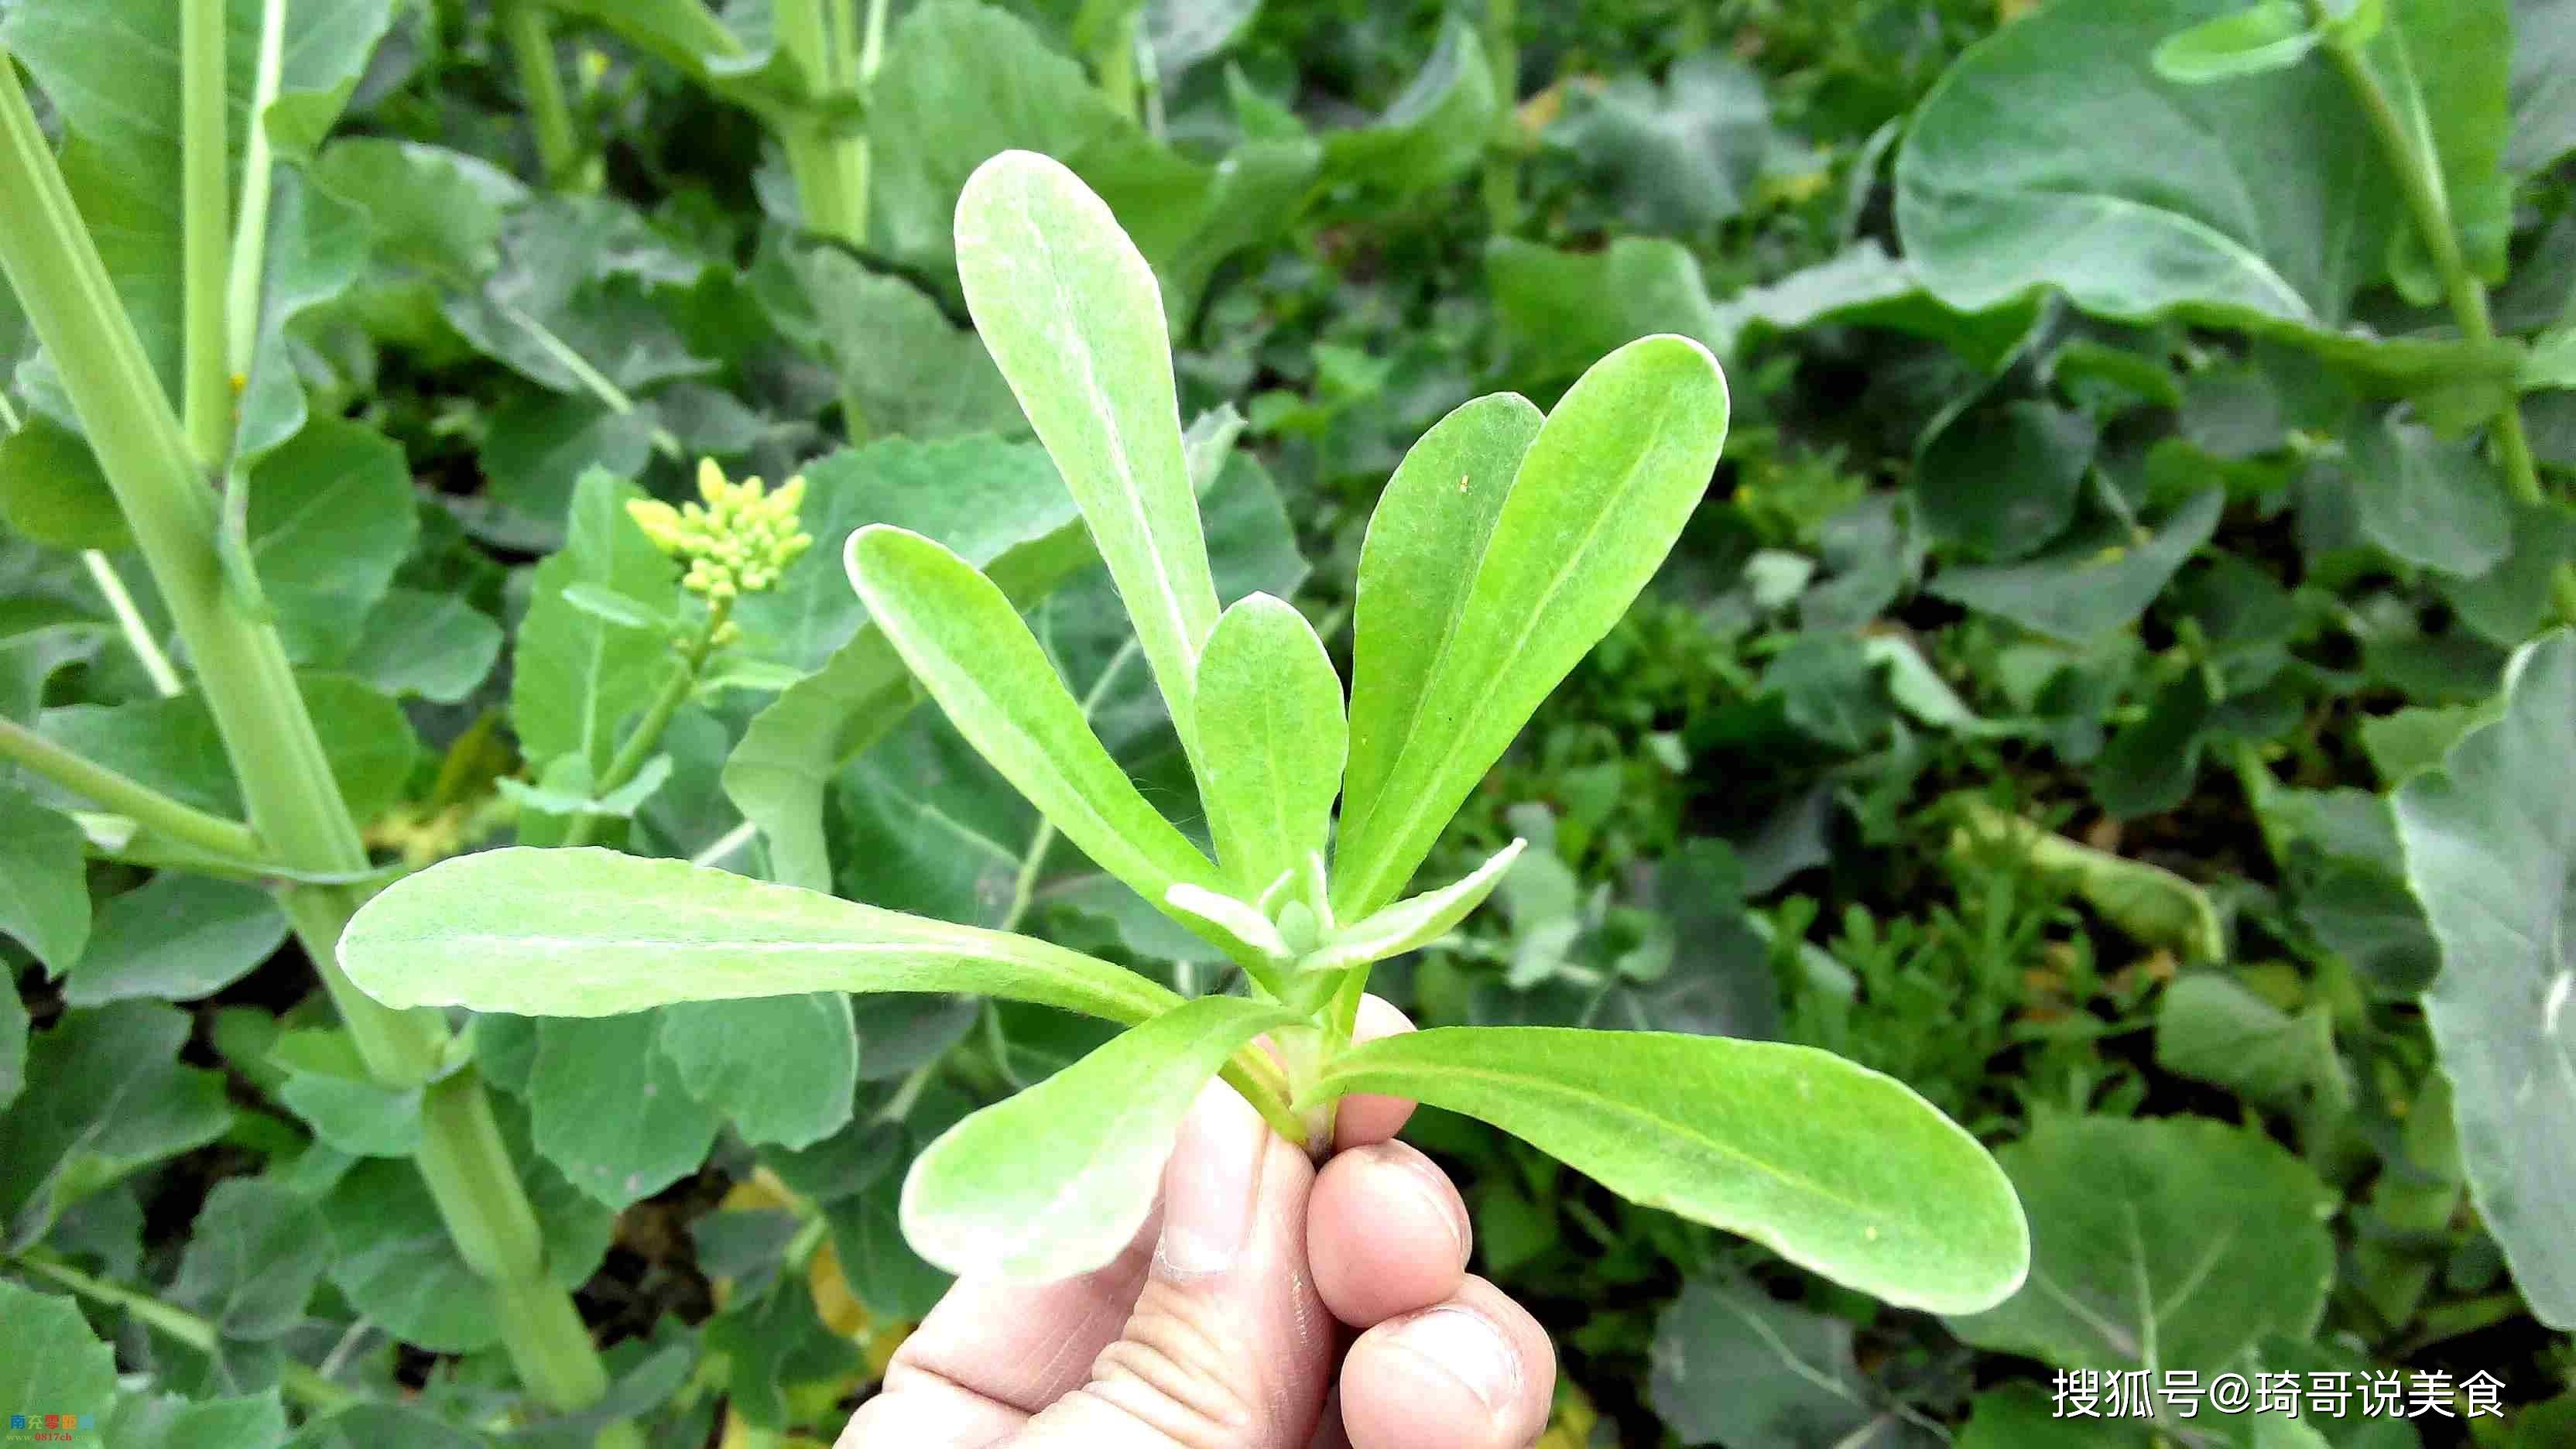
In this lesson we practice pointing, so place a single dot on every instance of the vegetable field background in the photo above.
(2119, 681)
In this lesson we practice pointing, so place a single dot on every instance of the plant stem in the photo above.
(300, 1383)
(205, 230)
(138, 635)
(128, 796)
(2419, 179)
(1502, 179)
(1114, 57)
(268, 735)
(532, 50)
(630, 756)
(250, 230)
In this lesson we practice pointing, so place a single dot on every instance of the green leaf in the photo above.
(1417, 566)
(317, 248)
(1735, 1366)
(2416, 738)
(114, 1100)
(165, 1421)
(2151, 903)
(1410, 925)
(2004, 481)
(172, 744)
(962, 639)
(1559, 310)
(49, 1357)
(1433, 132)
(436, 646)
(13, 1048)
(354, 1115)
(1055, 1181)
(610, 1110)
(2212, 1028)
(593, 932)
(2449, 65)
(1074, 319)
(912, 371)
(1676, 157)
(2172, 1243)
(1595, 505)
(2091, 586)
(2490, 846)
(2429, 502)
(52, 491)
(2268, 35)
(176, 938)
(2051, 155)
(583, 281)
(781, 1068)
(44, 881)
(998, 505)
(2543, 84)
(1273, 739)
(575, 676)
(254, 1255)
(1833, 1166)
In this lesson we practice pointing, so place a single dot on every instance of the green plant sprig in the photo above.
(1506, 545)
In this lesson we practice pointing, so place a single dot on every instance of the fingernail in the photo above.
(1466, 1345)
(1209, 1189)
(1423, 1178)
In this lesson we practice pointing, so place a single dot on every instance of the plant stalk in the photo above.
(525, 29)
(250, 229)
(2419, 179)
(295, 804)
(638, 748)
(128, 796)
(205, 232)
(300, 1383)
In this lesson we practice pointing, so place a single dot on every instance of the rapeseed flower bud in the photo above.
(739, 539)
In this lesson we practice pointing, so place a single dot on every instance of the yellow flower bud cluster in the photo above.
(738, 541)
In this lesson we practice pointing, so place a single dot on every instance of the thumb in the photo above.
(1229, 1347)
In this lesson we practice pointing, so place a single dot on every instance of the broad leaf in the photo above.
(575, 676)
(781, 1068)
(114, 1099)
(1736, 1367)
(1436, 129)
(2172, 1243)
(436, 646)
(1417, 564)
(1272, 740)
(610, 1111)
(254, 1255)
(962, 639)
(44, 881)
(2427, 501)
(2268, 35)
(166, 1421)
(1597, 502)
(177, 938)
(2544, 84)
(1055, 1181)
(49, 1357)
(2051, 154)
(1410, 925)
(910, 369)
(2004, 481)
(2490, 844)
(593, 933)
(2212, 1028)
(1072, 315)
(1676, 157)
(52, 491)
(1833, 1166)
(2085, 589)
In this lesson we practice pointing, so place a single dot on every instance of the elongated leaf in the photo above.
(593, 933)
(1417, 564)
(1833, 1166)
(1073, 317)
(2265, 36)
(2490, 845)
(1596, 504)
(576, 676)
(970, 649)
(1272, 738)
(1412, 924)
(1055, 1181)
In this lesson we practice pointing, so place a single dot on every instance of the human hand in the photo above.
(1222, 1325)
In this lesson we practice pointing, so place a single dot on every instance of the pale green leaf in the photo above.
(1736, 1367)
(575, 676)
(780, 1068)
(962, 639)
(49, 1357)
(1417, 566)
(354, 1115)
(1833, 1166)
(593, 932)
(176, 938)
(1073, 317)
(2427, 501)
(2172, 1243)
(44, 881)
(1676, 157)
(1410, 925)
(433, 645)
(2490, 843)
(1272, 740)
(51, 489)
(254, 1254)
(909, 368)
(1055, 1181)
(2265, 36)
(1597, 502)
(2212, 1028)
